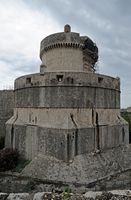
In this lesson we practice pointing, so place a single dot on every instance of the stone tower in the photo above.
(66, 109)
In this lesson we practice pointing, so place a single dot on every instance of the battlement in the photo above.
(79, 79)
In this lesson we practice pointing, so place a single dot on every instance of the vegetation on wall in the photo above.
(2, 142)
(8, 159)
(21, 165)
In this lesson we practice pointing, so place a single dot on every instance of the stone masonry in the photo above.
(67, 109)
(6, 108)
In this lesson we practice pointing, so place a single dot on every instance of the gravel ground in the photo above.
(113, 195)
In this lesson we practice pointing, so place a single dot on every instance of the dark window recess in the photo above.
(70, 80)
(100, 79)
(97, 132)
(29, 118)
(123, 135)
(59, 78)
(12, 135)
(28, 80)
(35, 120)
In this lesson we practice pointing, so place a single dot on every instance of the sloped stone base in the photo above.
(85, 170)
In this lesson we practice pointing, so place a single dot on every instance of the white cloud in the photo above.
(21, 30)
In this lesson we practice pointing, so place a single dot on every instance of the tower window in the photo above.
(123, 135)
(100, 79)
(59, 78)
(28, 80)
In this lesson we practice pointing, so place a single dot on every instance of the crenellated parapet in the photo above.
(59, 45)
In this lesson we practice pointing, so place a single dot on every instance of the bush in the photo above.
(127, 117)
(21, 165)
(2, 142)
(66, 193)
(8, 159)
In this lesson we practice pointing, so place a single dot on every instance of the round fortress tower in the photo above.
(66, 109)
(68, 52)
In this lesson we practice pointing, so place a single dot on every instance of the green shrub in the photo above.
(2, 142)
(66, 193)
(8, 159)
(127, 117)
(21, 165)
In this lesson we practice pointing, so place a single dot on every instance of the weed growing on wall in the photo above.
(8, 159)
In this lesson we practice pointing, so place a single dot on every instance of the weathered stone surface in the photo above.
(46, 195)
(66, 116)
(64, 134)
(99, 169)
(57, 52)
(72, 91)
(114, 194)
(6, 108)
(79, 78)
(121, 192)
(39, 196)
(19, 196)
(92, 194)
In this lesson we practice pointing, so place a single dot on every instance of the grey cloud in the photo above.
(19, 62)
(106, 22)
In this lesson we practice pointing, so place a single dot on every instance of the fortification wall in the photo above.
(67, 97)
(79, 112)
(66, 111)
(67, 79)
(6, 108)
(96, 171)
(67, 90)
(75, 131)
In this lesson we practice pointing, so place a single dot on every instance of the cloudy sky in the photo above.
(24, 23)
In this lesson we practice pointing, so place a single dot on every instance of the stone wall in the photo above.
(73, 130)
(67, 97)
(66, 111)
(63, 59)
(68, 79)
(93, 170)
(67, 90)
(104, 171)
(79, 112)
(68, 51)
(6, 108)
